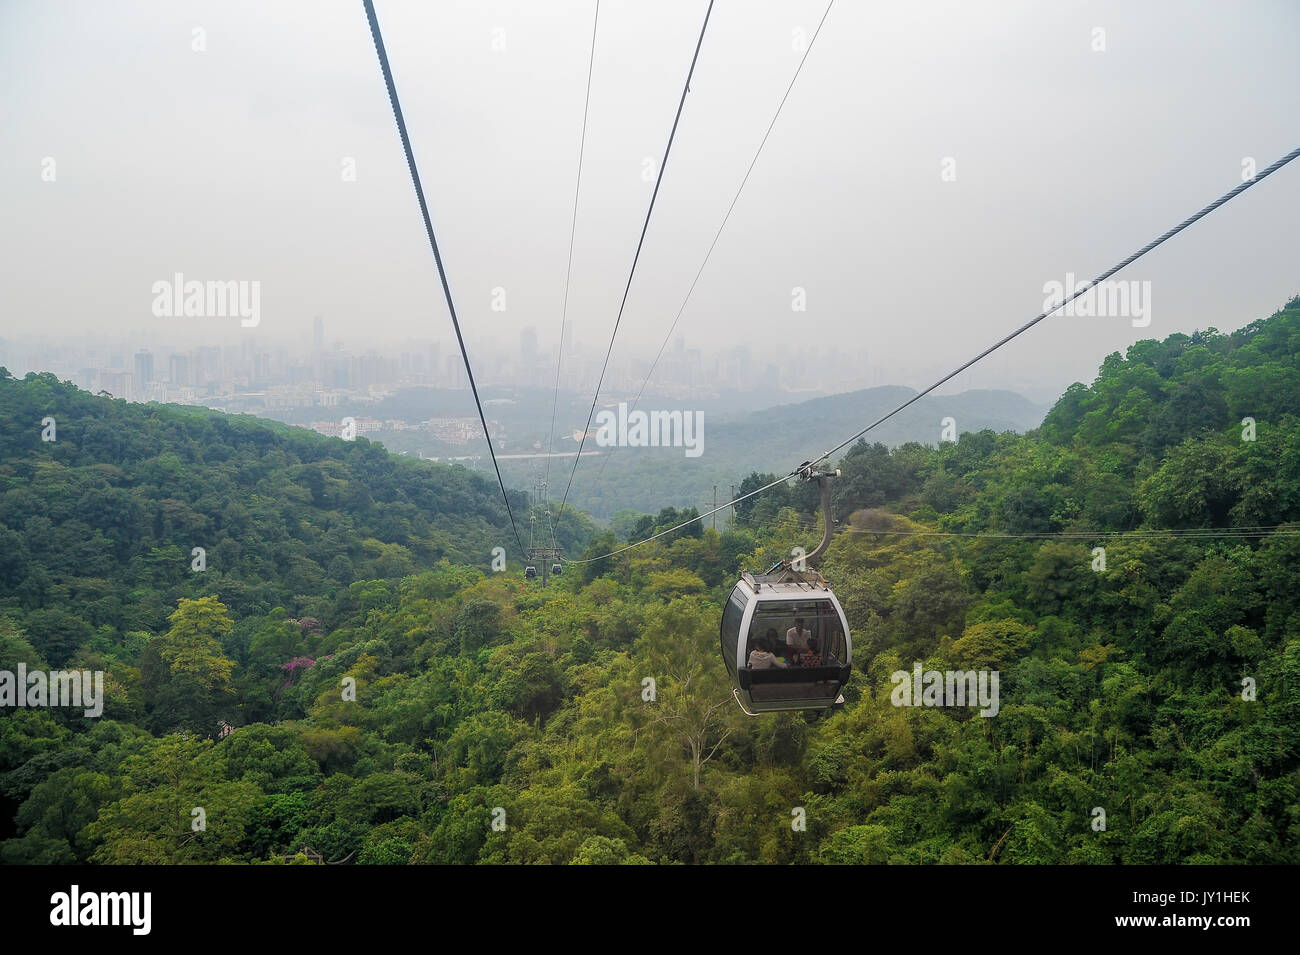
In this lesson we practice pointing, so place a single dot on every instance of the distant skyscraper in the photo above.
(143, 368)
(528, 343)
(318, 333)
(455, 377)
(178, 369)
(208, 364)
(116, 383)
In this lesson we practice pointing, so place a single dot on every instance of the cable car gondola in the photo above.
(556, 569)
(530, 572)
(784, 637)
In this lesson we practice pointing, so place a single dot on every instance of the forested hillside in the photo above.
(99, 524)
(649, 478)
(497, 722)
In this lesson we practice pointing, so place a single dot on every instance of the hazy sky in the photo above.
(226, 164)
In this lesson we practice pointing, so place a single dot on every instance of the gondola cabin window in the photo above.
(732, 616)
(806, 633)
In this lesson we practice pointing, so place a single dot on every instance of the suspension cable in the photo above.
(433, 244)
(698, 517)
(568, 273)
(1157, 533)
(717, 235)
(992, 348)
(1077, 292)
(640, 242)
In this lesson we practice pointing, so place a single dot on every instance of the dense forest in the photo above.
(738, 442)
(393, 700)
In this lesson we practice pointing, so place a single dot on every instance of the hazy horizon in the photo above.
(226, 164)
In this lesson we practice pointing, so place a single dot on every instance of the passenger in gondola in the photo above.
(761, 657)
(796, 638)
(810, 657)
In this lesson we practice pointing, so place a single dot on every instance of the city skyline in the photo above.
(175, 367)
(906, 227)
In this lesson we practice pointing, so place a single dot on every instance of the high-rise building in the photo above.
(208, 365)
(87, 379)
(369, 369)
(116, 383)
(143, 368)
(338, 372)
(454, 376)
(318, 333)
(529, 371)
(178, 370)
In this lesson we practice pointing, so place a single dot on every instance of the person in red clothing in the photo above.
(810, 657)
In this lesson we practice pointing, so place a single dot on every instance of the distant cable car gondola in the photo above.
(530, 572)
(555, 570)
(785, 639)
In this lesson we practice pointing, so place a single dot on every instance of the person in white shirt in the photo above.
(796, 638)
